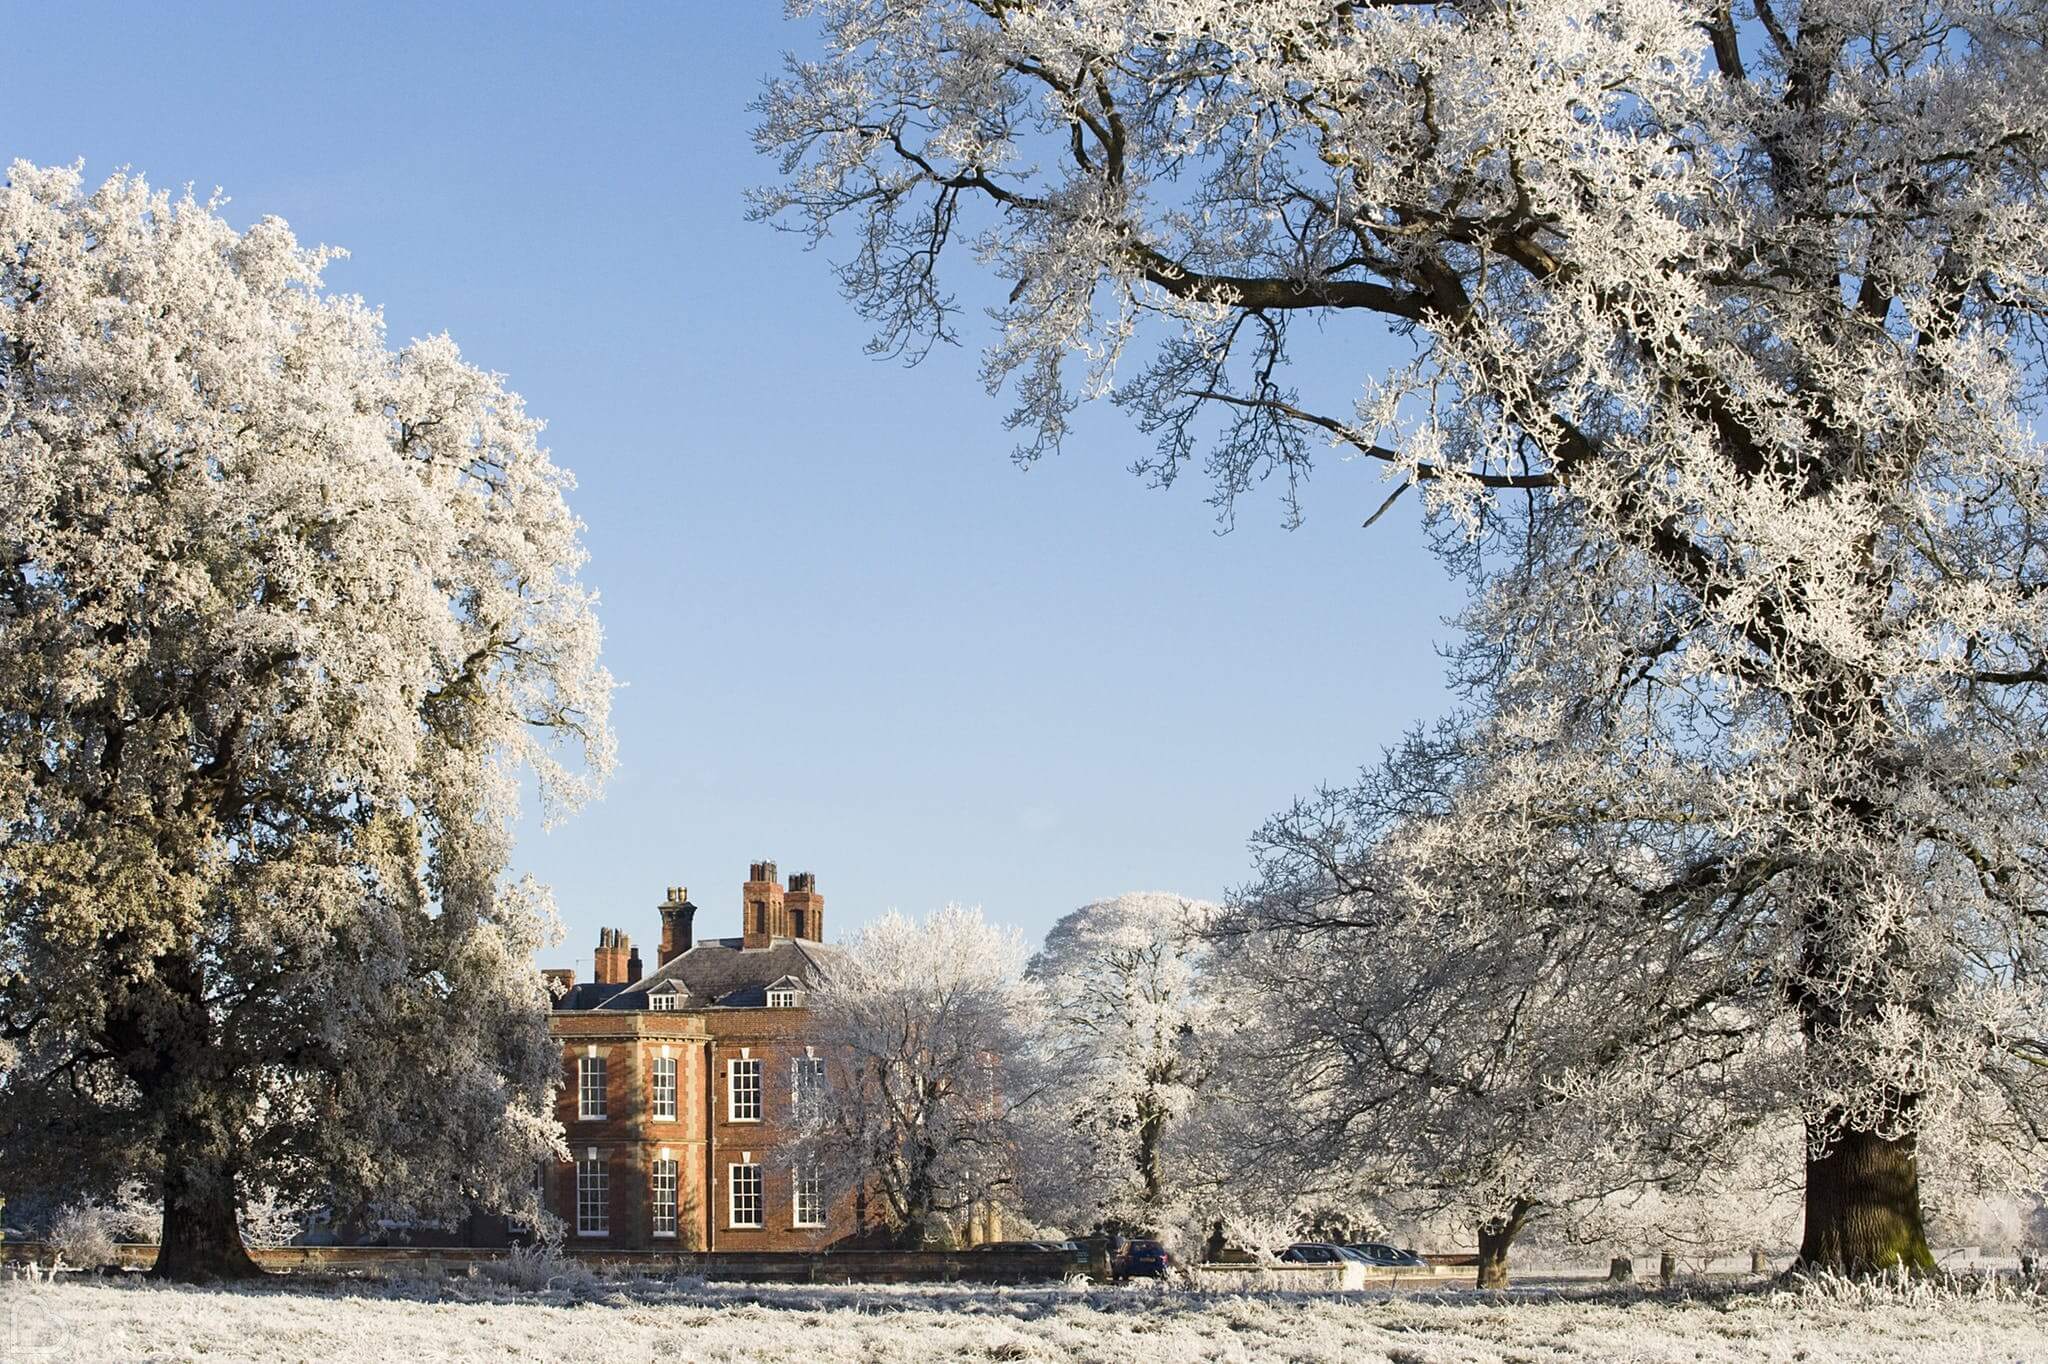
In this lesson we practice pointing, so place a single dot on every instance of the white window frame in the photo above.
(743, 1102)
(665, 1001)
(807, 1187)
(590, 1088)
(743, 1192)
(663, 1089)
(806, 1079)
(784, 998)
(593, 1196)
(663, 1182)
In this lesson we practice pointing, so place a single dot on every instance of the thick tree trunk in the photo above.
(202, 1238)
(1494, 1239)
(1863, 1191)
(1863, 1208)
(1151, 1130)
(1493, 1258)
(920, 1199)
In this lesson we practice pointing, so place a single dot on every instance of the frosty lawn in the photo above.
(469, 1318)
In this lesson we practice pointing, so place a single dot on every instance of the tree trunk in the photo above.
(1151, 1128)
(1494, 1239)
(202, 1238)
(1863, 1208)
(920, 1199)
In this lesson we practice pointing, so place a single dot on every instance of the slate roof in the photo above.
(587, 995)
(716, 973)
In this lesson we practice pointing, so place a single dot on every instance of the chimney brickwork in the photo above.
(763, 918)
(767, 912)
(804, 907)
(615, 957)
(678, 925)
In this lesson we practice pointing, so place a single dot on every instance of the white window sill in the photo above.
(807, 1226)
(743, 1226)
(748, 1121)
(664, 1236)
(592, 1235)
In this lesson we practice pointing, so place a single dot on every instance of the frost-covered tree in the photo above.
(284, 614)
(1738, 302)
(927, 1027)
(1125, 1000)
(1445, 1019)
(1747, 1201)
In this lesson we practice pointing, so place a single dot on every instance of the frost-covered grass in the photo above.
(476, 1317)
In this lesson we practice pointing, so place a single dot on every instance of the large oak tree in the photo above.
(1737, 305)
(283, 615)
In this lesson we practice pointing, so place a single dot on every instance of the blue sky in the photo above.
(854, 637)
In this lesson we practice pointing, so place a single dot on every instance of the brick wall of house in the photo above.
(776, 1037)
(704, 1139)
(629, 1138)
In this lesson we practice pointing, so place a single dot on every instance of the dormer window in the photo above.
(662, 999)
(782, 997)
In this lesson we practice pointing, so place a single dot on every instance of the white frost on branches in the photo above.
(284, 616)
(927, 1026)
(1126, 1004)
(1725, 326)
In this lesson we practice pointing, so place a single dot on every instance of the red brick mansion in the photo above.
(678, 1084)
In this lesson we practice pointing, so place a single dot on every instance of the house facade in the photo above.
(680, 1083)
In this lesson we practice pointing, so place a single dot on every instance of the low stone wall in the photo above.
(42, 1253)
(846, 1266)
(1228, 1278)
(1287, 1278)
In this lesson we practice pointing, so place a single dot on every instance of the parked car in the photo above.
(1388, 1257)
(1037, 1248)
(1140, 1258)
(1315, 1253)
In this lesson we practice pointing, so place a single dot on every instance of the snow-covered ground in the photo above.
(618, 1321)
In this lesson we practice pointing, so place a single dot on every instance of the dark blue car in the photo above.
(1141, 1259)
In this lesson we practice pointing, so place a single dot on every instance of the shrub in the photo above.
(537, 1268)
(84, 1235)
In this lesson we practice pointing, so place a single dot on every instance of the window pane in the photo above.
(744, 1097)
(664, 1198)
(746, 1195)
(664, 1086)
(593, 1197)
(810, 1198)
(590, 1087)
(807, 1080)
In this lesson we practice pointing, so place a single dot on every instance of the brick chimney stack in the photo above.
(762, 918)
(805, 907)
(678, 925)
(614, 956)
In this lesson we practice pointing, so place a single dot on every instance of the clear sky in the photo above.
(854, 637)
